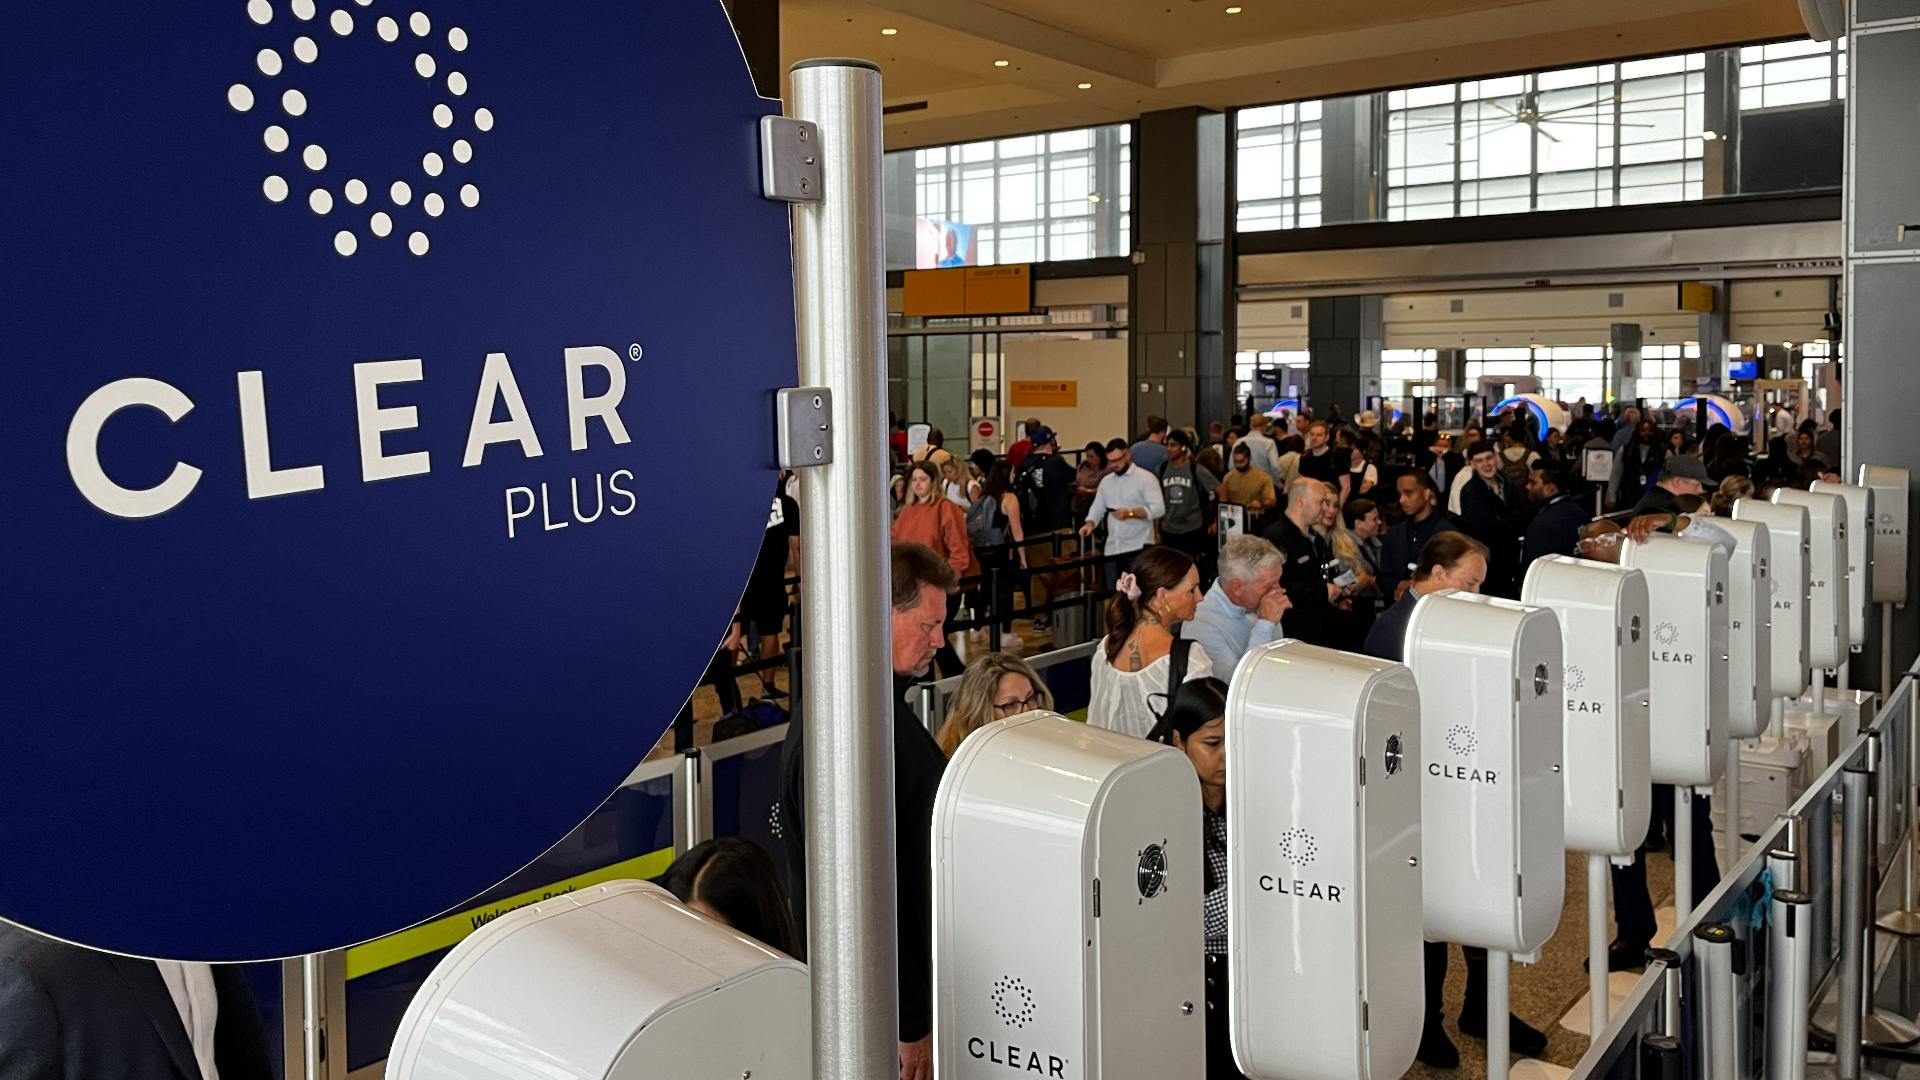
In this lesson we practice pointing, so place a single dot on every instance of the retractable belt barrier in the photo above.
(1735, 987)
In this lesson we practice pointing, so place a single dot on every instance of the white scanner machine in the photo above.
(1491, 814)
(1323, 789)
(1788, 546)
(1067, 905)
(1603, 613)
(1829, 636)
(1687, 657)
(618, 982)
(1889, 486)
(1860, 567)
(1749, 628)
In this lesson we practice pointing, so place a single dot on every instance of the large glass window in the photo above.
(1032, 198)
(1611, 134)
(1398, 367)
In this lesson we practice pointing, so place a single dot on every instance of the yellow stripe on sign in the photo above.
(449, 930)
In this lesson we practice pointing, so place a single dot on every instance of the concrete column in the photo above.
(1182, 317)
(1344, 334)
(1351, 183)
(1883, 263)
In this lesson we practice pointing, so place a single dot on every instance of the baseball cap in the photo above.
(1686, 467)
(1040, 435)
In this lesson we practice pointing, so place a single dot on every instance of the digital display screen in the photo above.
(1744, 369)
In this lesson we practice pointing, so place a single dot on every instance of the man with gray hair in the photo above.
(1243, 608)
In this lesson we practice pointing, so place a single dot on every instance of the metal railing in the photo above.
(930, 699)
(1791, 925)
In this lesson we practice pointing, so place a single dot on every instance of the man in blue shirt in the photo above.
(1150, 453)
(1243, 608)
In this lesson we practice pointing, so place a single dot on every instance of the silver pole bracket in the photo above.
(805, 418)
(790, 169)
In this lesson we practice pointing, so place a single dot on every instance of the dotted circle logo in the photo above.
(1012, 1002)
(773, 823)
(1575, 677)
(360, 200)
(1462, 739)
(1886, 517)
(1298, 846)
(1666, 633)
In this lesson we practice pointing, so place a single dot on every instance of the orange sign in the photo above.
(968, 290)
(1044, 394)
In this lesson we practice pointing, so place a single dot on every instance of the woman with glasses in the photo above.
(996, 686)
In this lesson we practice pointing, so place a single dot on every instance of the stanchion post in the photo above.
(1599, 1001)
(1853, 901)
(313, 1025)
(1789, 981)
(1682, 853)
(840, 307)
(1714, 946)
(1668, 963)
(1499, 971)
(1733, 802)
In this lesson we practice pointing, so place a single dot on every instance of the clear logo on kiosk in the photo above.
(1299, 847)
(1464, 741)
(1667, 633)
(1013, 1003)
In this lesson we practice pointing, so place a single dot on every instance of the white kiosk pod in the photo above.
(1603, 613)
(1827, 629)
(1859, 555)
(1490, 798)
(1749, 628)
(1323, 790)
(618, 982)
(1889, 532)
(1604, 628)
(1787, 528)
(1067, 905)
(1687, 721)
(1687, 588)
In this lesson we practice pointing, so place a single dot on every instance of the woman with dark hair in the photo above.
(1142, 660)
(1729, 456)
(1195, 724)
(993, 523)
(732, 880)
(1086, 478)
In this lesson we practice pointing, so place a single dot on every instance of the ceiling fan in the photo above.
(1527, 111)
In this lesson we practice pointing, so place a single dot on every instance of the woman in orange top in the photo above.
(929, 517)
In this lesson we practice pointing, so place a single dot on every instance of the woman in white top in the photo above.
(1133, 665)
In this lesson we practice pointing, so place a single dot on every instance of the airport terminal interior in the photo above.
(1393, 513)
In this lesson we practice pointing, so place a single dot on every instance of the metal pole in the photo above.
(1682, 853)
(1817, 676)
(1713, 964)
(1853, 901)
(1599, 1001)
(840, 305)
(1886, 652)
(1789, 981)
(1783, 868)
(1499, 969)
(1906, 921)
(313, 1027)
(1669, 964)
(1733, 802)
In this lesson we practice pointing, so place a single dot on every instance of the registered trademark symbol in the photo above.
(633, 351)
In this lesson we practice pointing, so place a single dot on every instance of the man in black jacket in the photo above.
(1420, 501)
(921, 582)
(1488, 513)
(1045, 489)
(1555, 528)
(1315, 618)
(68, 1013)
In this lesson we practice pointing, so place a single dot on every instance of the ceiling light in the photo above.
(1095, 197)
(888, 31)
(1234, 10)
(1709, 136)
(1001, 63)
(1786, 344)
(1086, 86)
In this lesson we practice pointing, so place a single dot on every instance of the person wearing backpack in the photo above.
(994, 523)
(1044, 487)
(1142, 659)
(1191, 521)
(1517, 459)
